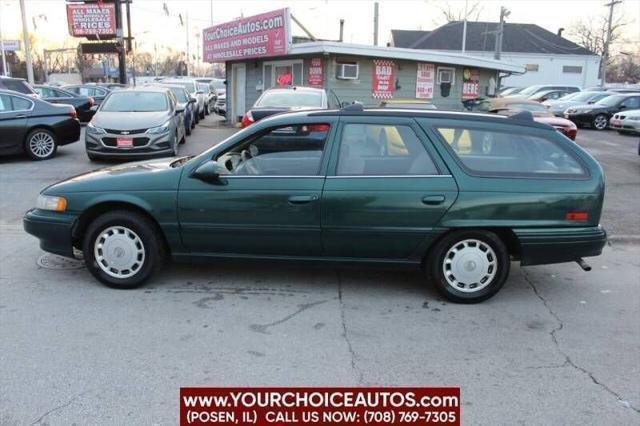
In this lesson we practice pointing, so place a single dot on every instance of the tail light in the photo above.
(73, 113)
(315, 128)
(247, 119)
(577, 216)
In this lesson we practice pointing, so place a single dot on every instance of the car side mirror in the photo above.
(209, 172)
(179, 111)
(192, 100)
(94, 108)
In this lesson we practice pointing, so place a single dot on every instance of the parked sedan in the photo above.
(186, 102)
(515, 190)
(136, 123)
(19, 85)
(55, 95)
(192, 87)
(220, 107)
(626, 122)
(281, 99)
(546, 95)
(34, 126)
(597, 115)
(532, 90)
(559, 106)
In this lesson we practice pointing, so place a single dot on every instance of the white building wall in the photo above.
(550, 69)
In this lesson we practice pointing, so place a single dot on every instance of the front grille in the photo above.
(125, 132)
(137, 142)
(622, 117)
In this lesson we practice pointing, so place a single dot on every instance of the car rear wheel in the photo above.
(469, 266)
(202, 114)
(122, 249)
(600, 122)
(41, 144)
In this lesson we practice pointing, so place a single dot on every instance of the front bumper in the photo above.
(145, 145)
(625, 125)
(52, 229)
(540, 246)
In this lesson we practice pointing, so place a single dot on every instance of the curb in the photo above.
(623, 239)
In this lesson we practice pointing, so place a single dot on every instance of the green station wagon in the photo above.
(458, 194)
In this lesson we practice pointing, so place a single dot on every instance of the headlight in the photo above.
(48, 202)
(160, 129)
(95, 130)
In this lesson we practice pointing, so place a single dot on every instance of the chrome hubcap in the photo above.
(470, 265)
(41, 144)
(601, 122)
(119, 252)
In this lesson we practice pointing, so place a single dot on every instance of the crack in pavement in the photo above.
(262, 328)
(345, 334)
(57, 408)
(567, 359)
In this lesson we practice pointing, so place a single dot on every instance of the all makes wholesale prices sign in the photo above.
(258, 36)
(384, 79)
(92, 19)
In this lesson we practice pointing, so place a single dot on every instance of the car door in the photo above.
(385, 192)
(14, 112)
(269, 202)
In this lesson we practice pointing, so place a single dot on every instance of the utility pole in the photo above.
(504, 12)
(27, 45)
(4, 59)
(375, 23)
(210, 12)
(464, 27)
(122, 55)
(605, 53)
(130, 46)
(188, 53)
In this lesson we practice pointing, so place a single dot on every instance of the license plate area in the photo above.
(124, 142)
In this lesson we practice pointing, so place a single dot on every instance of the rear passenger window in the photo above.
(496, 153)
(382, 150)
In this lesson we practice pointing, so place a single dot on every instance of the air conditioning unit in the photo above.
(348, 71)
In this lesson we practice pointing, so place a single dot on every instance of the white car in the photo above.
(626, 121)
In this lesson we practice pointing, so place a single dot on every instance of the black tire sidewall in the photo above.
(148, 235)
(436, 259)
(27, 144)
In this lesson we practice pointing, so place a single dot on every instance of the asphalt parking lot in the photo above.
(556, 346)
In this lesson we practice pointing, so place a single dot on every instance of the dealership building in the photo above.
(259, 54)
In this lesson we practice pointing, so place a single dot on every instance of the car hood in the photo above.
(129, 120)
(153, 175)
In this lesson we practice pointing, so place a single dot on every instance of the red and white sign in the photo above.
(258, 36)
(384, 79)
(470, 83)
(97, 19)
(124, 142)
(315, 72)
(425, 81)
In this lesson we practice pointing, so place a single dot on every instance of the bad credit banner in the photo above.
(258, 36)
(326, 406)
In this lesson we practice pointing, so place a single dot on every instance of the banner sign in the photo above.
(425, 81)
(258, 36)
(320, 406)
(11, 45)
(384, 79)
(92, 19)
(314, 72)
(470, 83)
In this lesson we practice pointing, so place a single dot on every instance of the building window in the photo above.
(532, 67)
(571, 69)
(282, 73)
(446, 75)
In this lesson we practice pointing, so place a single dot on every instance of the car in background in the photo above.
(532, 90)
(218, 85)
(220, 107)
(510, 91)
(186, 102)
(34, 126)
(511, 106)
(134, 123)
(209, 97)
(546, 95)
(559, 106)
(282, 99)
(19, 85)
(626, 122)
(597, 115)
(462, 196)
(192, 87)
(97, 93)
(407, 104)
(111, 86)
(56, 95)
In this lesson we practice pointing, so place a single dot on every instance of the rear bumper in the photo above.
(540, 246)
(68, 131)
(52, 229)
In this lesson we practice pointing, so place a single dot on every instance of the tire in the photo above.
(202, 114)
(40, 144)
(600, 122)
(206, 110)
(92, 157)
(176, 142)
(193, 121)
(455, 278)
(187, 129)
(183, 140)
(122, 232)
(197, 117)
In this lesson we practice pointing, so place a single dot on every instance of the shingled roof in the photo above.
(520, 38)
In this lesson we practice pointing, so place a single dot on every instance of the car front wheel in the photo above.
(600, 122)
(41, 144)
(122, 249)
(469, 266)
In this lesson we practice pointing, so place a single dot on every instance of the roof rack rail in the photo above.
(522, 116)
(355, 106)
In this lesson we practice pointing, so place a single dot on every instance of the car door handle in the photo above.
(302, 199)
(433, 200)
(21, 116)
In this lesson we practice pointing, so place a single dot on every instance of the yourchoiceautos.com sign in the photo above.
(258, 36)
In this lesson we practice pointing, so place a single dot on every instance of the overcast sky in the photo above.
(151, 26)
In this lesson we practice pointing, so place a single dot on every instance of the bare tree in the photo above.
(453, 14)
(592, 33)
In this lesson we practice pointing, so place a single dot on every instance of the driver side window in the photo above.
(283, 151)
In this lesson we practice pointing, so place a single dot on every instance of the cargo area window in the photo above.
(488, 152)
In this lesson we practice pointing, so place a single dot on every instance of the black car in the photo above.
(97, 93)
(35, 126)
(55, 95)
(17, 85)
(597, 115)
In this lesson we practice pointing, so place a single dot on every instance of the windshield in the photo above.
(610, 100)
(181, 96)
(189, 85)
(530, 90)
(203, 86)
(290, 99)
(217, 84)
(135, 102)
(581, 96)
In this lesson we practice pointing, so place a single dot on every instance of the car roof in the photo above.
(295, 88)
